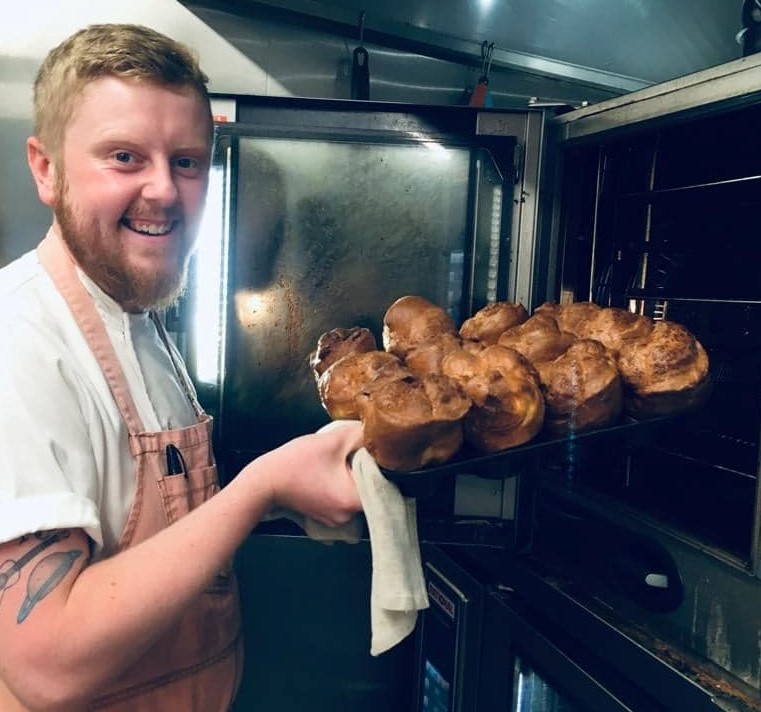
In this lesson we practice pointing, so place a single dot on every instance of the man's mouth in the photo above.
(152, 228)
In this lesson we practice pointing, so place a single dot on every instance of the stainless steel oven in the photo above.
(526, 634)
(616, 569)
(630, 578)
(504, 636)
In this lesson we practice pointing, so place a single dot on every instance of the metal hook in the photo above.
(361, 23)
(487, 50)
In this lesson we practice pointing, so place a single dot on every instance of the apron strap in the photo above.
(189, 391)
(58, 263)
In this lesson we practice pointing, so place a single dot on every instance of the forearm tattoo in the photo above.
(46, 574)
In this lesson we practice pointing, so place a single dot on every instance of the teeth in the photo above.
(151, 228)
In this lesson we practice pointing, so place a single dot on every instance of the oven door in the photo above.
(528, 665)
(479, 648)
(448, 635)
(505, 633)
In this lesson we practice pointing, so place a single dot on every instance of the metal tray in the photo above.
(510, 463)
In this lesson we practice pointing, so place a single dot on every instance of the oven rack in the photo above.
(512, 462)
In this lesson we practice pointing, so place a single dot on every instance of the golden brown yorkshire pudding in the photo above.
(665, 373)
(550, 309)
(508, 408)
(342, 382)
(538, 338)
(411, 321)
(489, 322)
(414, 422)
(337, 343)
(426, 357)
(582, 388)
(570, 317)
(616, 328)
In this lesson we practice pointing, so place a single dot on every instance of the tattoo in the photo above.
(45, 576)
(9, 570)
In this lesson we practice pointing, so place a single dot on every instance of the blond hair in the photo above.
(124, 51)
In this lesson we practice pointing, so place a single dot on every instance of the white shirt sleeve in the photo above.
(65, 459)
(48, 462)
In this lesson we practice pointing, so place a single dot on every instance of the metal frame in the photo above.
(734, 83)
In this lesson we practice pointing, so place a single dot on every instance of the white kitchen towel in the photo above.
(398, 586)
(397, 590)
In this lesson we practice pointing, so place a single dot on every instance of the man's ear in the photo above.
(43, 169)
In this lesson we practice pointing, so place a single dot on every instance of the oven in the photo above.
(615, 569)
(514, 637)
(629, 577)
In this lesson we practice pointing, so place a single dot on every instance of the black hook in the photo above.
(361, 23)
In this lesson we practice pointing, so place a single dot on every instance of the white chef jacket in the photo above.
(64, 453)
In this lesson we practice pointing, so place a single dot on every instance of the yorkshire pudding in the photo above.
(337, 343)
(342, 382)
(582, 388)
(414, 422)
(538, 339)
(570, 317)
(668, 372)
(508, 408)
(411, 321)
(616, 328)
(427, 356)
(492, 320)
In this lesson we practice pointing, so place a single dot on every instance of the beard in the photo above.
(104, 259)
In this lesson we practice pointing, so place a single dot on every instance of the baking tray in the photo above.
(510, 463)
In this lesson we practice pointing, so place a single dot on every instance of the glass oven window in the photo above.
(436, 690)
(533, 692)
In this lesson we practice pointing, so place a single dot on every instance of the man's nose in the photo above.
(160, 186)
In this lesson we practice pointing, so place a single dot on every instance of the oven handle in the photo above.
(637, 565)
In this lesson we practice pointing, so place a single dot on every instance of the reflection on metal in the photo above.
(312, 217)
(210, 283)
(528, 127)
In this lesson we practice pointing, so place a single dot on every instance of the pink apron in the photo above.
(195, 666)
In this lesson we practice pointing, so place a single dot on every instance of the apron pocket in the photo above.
(182, 493)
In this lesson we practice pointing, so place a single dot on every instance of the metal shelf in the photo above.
(514, 461)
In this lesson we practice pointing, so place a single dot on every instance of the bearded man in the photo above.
(115, 591)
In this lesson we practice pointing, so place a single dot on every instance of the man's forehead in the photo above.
(113, 105)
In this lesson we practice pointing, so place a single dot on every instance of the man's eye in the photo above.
(186, 163)
(123, 156)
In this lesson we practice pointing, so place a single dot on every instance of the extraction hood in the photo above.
(618, 46)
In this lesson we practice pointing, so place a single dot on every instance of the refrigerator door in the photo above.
(326, 228)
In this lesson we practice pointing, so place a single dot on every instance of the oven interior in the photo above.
(663, 220)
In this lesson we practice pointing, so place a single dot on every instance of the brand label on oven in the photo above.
(441, 600)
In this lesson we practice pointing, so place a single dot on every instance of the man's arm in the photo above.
(68, 627)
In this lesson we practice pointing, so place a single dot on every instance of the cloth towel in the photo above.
(398, 588)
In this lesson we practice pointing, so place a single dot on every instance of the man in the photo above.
(115, 592)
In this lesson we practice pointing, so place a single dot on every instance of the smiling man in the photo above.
(133, 179)
(115, 587)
